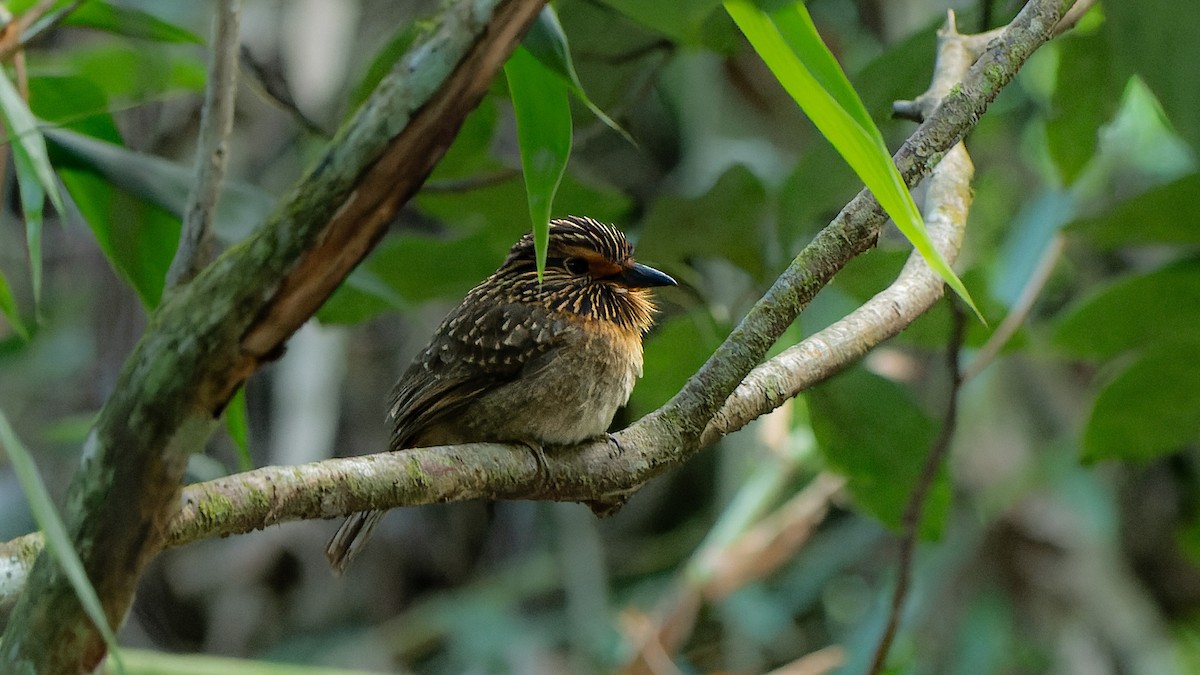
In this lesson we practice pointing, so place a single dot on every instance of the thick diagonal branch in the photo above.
(211, 333)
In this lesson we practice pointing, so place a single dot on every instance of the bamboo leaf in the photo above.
(544, 135)
(129, 22)
(58, 542)
(235, 425)
(797, 28)
(547, 41)
(847, 126)
(35, 176)
(9, 307)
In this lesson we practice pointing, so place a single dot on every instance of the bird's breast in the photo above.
(570, 393)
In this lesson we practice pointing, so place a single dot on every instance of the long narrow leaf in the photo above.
(861, 148)
(543, 115)
(547, 41)
(9, 307)
(129, 22)
(161, 182)
(58, 543)
(27, 139)
(235, 425)
(147, 662)
(33, 199)
(35, 177)
(797, 28)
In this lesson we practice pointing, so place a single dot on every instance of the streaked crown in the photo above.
(590, 272)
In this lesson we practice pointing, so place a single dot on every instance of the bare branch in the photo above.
(276, 90)
(915, 508)
(1073, 15)
(196, 240)
(1020, 309)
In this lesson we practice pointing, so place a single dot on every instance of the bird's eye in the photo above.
(576, 265)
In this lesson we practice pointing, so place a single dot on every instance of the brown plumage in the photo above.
(543, 363)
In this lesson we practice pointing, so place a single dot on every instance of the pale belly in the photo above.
(569, 396)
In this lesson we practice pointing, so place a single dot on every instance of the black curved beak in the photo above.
(644, 276)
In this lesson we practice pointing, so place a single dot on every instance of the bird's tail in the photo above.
(350, 539)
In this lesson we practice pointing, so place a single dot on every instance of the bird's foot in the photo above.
(539, 456)
(616, 444)
(610, 503)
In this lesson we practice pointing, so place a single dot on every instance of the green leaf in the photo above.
(1085, 98)
(869, 430)
(861, 146)
(470, 153)
(130, 22)
(35, 176)
(797, 29)
(1135, 312)
(33, 198)
(9, 307)
(160, 182)
(361, 296)
(146, 662)
(58, 542)
(75, 103)
(683, 21)
(416, 268)
(138, 238)
(1156, 39)
(1166, 214)
(132, 73)
(544, 135)
(1151, 408)
(547, 41)
(235, 426)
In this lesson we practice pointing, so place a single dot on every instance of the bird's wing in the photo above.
(478, 347)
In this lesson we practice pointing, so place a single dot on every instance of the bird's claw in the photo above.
(617, 444)
(539, 456)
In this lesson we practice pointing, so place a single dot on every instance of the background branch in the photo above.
(196, 240)
(915, 508)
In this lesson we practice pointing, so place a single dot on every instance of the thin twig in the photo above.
(276, 90)
(32, 14)
(483, 180)
(1073, 16)
(196, 241)
(915, 508)
(621, 58)
(1020, 309)
(32, 24)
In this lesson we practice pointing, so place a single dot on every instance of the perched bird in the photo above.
(521, 360)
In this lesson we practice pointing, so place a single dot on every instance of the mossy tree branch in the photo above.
(212, 333)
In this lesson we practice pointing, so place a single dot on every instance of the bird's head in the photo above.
(590, 271)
